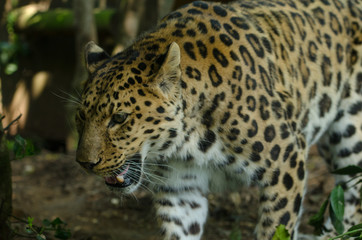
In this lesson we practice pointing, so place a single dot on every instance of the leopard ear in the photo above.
(95, 56)
(169, 74)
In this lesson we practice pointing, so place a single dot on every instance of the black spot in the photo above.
(284, 219)
(251, 103)
(335, 138)
(225, 118)
(142, 66)
(255, 157)
(165, 202)
(297, 203)
(349, 131)
(177, 33)
(288, 181)
(324, 105)
(231, 31)
(202, 48)
(149, 119)
(116, 95)
(201, 5)
(160, 109)
(206, 142)
(326, 71)
(287, 152)
(274, 152)
(239, 22)
(194, 228)
(141, 93)
(220, 11)
(215, 78)
(357, 148)
(266, 80)
(255, 44)
(344, 152)
(135, 71)
(238, 150)
(202, 27)
(300, 171)
(254, 130)
(226, 39)
(172, 133)
(281, 204)
(269, 133)
(258, 146)
(215, 25)
(194, 11)
(355, 108)
(312, 51)
(248, 59)
(191, 33)
(293, 160)
(275, 177)
(220, 57)
(189, 48)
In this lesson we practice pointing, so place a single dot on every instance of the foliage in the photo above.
(281, 233)
(12, 49)
(235, 234)
(57, 227)
(336, 211)
(21, 147)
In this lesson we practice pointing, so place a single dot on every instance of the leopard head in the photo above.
(130, 112)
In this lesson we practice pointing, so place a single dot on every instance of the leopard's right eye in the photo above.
(81, 115)
(118, 118)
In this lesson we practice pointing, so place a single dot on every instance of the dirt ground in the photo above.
(52, 185)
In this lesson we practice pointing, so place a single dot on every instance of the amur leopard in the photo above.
(221, 95)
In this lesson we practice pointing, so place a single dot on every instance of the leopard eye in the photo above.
(81, 116)
(118, 118)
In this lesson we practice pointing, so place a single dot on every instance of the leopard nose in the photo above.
(87, 165)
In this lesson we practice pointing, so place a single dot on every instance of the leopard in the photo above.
(218, 96)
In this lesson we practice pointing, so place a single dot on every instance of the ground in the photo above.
(52, 185)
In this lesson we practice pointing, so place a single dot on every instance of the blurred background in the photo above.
(41, 71)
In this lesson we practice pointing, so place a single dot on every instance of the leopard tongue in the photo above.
(119, 178)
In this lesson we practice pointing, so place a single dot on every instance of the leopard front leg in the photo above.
(281, 198)
(180, 202)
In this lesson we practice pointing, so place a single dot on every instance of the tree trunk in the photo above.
(85, 30)
(5, 187)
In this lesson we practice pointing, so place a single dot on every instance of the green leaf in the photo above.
(317, 220)
(355, 228)
(47, 223)
(281, 233)
(338, 224)
(235, 234)
(62, 234)
(337, 202)
(57, 221)
(30, 221)
(349, 170)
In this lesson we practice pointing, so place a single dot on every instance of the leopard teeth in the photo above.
(120, 178)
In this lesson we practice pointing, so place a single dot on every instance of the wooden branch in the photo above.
(12, 122)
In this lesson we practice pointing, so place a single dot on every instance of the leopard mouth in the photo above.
(128, 174)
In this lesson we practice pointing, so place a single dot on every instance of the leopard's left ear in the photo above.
(95, 56)
(169, 73)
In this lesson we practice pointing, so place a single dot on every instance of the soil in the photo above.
(52, 185)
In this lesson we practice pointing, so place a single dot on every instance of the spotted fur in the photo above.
(222, 95)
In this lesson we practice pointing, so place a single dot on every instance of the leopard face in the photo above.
(127, 111)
